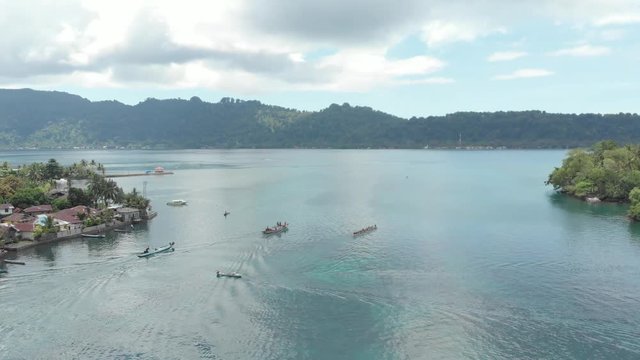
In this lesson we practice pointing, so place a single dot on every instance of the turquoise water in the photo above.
(473, 258)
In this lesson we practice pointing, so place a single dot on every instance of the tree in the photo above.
(52, 170)
(134, 200)
(61, 203)
(97, 188)
(78, 197)
(111, 191)
(26, 197)
(607, 171)
(10, 184)
(634, 208)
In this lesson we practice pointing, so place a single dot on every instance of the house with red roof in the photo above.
(25, 230)
(38, 209)
(69, 219)
(18, 217)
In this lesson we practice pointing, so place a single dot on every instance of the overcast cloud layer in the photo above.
(253, 47)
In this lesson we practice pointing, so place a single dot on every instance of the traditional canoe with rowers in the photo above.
(278, 228)
(366, 230)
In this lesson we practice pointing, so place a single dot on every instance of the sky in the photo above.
(405, 57)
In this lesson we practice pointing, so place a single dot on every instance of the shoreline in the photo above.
(16, 247)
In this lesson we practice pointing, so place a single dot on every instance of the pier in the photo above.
(139, 174)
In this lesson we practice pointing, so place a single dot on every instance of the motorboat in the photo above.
(147, 253)
(230, 275)
(177, 203)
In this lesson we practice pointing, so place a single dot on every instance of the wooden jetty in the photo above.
(139, 174)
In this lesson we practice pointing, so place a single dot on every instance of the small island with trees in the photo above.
(43, 202)
(605, 172)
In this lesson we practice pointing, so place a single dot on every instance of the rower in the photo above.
(146, 251)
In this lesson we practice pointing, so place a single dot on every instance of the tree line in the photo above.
(35, 184)
(59, 120)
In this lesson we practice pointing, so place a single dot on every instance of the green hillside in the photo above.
(41, 119)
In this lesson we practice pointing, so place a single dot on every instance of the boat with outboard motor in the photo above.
(147, 253)
(279, 228)
(234, 275)
(177, 203)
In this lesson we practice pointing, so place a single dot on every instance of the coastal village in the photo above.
(88, 205)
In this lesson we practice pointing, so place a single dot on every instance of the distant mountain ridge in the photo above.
(44, 119)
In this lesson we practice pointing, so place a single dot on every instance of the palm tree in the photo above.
(111, 191)
(97, 188)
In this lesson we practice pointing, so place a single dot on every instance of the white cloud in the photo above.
(611, 34)
(440, 32)
(362, 70)
(618, 19)
(506, 56)
(524, 73)
(428, 80)
(265, 46)
(582, 51)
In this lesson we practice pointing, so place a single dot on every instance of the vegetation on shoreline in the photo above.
(52, 120)
(606, 171)
(35, 184)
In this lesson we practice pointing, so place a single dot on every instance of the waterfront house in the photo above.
(128, 214)
(69, 219)
(25, 230)
(79, 211)
(38, 209)
(6, 209)
(18, 217)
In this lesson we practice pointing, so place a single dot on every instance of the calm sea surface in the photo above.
(473, 258)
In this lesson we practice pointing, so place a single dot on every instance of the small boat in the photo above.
(15, 262)
(177, 203)
(366, 230)
(129, 229)
(93, 235)
(276, 229)
(147, 253)
(234, 275)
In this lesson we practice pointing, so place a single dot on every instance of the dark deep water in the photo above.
(473, 258)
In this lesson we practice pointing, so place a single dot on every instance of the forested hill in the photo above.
(41, 119)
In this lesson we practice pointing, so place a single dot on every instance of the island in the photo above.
(605, 172)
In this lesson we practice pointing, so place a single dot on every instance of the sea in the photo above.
(474, 257)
